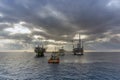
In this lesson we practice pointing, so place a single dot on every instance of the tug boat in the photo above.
(54, 58)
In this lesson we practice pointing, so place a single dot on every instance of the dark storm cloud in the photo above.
(61, 17)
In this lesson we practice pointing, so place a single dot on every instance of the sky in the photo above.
(27, 23)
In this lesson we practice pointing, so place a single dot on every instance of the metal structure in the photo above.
(39, 51)
(79, 49)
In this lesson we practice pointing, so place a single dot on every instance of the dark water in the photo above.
(91, 66)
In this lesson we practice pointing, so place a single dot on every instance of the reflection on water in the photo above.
(91, 66)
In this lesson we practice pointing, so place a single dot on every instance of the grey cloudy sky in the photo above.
(23, 21)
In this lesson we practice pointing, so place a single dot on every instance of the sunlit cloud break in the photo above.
(51, 22)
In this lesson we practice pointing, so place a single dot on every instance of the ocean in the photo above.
(90, 66)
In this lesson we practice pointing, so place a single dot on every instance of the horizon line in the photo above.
(57, 51)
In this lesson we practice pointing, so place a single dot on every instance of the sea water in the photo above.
(90, 66)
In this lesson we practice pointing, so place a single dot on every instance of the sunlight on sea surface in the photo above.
(90, 66)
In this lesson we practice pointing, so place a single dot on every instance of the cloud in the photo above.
(96, 19)
(18, 29)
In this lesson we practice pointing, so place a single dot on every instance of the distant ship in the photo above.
(61, 51)
(79, 49)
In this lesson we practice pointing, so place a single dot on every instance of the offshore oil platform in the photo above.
(79, 49)
(39, 51)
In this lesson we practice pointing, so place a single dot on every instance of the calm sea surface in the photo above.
(90, 66)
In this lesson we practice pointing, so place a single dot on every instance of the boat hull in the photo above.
(54, 61)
